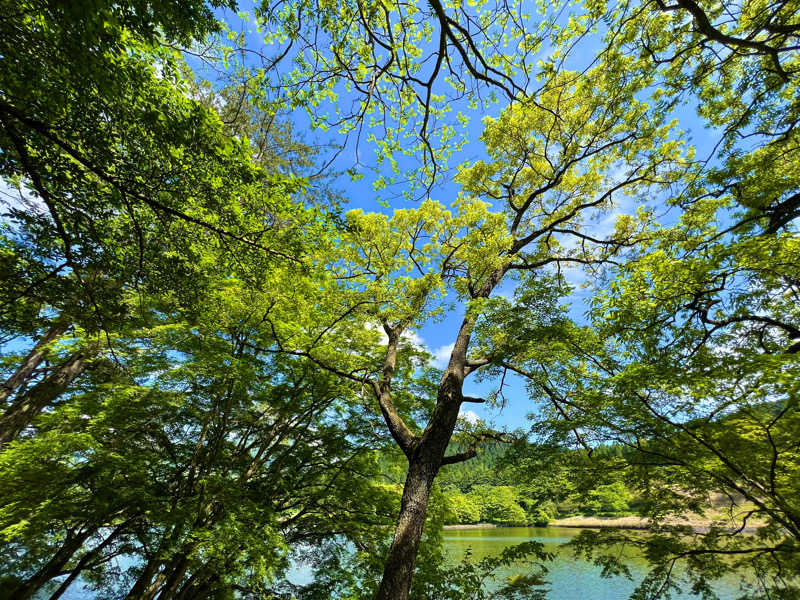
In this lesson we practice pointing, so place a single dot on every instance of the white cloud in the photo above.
(468, 416)
(21, 198)
(413, 338)
(408, 336)
(441, 356)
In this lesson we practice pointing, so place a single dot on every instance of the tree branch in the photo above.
(45, 130)
(401, 433)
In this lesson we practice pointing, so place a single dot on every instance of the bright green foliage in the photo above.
(610, 499)
(130, 176)
(390, 72)
(546, 483)
(205, 455)
(692, 368)
(462, 509)
(498, 504)
(237, 351)
(179, 448)
(737, 64)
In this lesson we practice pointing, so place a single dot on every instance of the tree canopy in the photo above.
(213, 369)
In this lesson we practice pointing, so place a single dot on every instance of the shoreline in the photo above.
(580, 522)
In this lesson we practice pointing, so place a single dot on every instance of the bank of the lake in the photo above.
(630, 522)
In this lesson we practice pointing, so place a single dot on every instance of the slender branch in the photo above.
(45, 131)
(555, 400)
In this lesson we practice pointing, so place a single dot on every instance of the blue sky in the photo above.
(437, 337)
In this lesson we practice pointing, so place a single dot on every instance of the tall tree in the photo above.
(200, 463)
(553, 163)
(118, 181)
(111, 158)
(736, 62)
(132, 204)
(692, 367)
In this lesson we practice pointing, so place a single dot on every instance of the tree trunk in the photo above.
(31, 362)
(145, 588)
(399, 566)
(174, 574)
(53, 567)
(87, 556)
(20, 414)
(423, 466)
(198, 585)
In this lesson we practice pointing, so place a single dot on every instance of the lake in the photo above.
(569, 577)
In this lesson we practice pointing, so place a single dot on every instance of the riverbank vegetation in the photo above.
(212, 312)
(491, 489)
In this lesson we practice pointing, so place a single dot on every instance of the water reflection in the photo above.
(569, 577)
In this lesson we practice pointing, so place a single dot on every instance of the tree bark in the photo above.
(154, 576)
(175, 572)
(52, 568)
(401, 559)
(30, 363)
(198, 585)
(20, 414)
(423, 466)
(145, 587)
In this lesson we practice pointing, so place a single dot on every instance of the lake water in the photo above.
(569, 577)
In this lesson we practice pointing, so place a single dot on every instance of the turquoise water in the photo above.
(570, 578)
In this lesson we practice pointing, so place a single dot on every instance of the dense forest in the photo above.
(228, 230)
(490, 489)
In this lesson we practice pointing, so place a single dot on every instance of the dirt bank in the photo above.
(698, 524)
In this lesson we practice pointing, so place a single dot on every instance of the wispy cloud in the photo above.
(408, 337)
(441, 355)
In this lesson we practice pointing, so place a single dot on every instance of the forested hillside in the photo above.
(509, 488)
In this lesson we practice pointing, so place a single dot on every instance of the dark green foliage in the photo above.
(121, 178)
(529, 484)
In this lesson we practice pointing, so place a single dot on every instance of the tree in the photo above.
(117, 179)
(201, 465)
(134, 206)
(549, 169)
(737, 64)
(461, 509)
(497, 504)
(695, 343)
(691, 368)
(111, 160)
